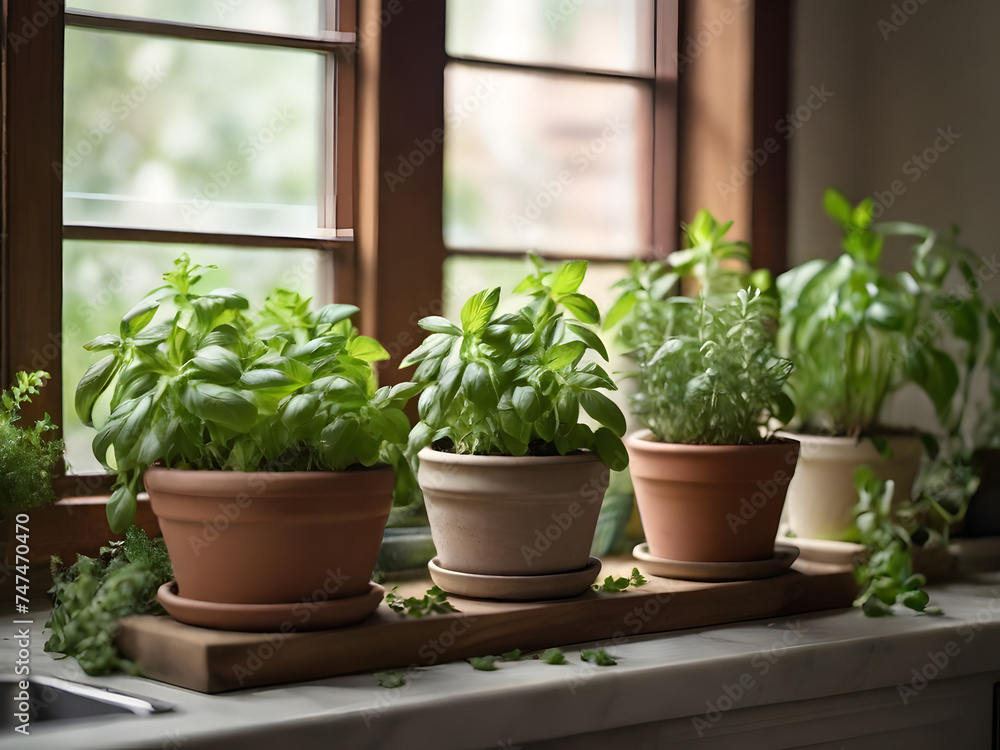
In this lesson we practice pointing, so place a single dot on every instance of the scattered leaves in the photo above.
(393, 678)
(483, 663)
(614, 585)
(600, 657)
(433, 602)
(553, 656)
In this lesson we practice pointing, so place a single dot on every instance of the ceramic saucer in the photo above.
(515, 588)
(828, 551)
(784, 556)
(264, 618)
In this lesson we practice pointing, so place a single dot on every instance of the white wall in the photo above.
(893, 89)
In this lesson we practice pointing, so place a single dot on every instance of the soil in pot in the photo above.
(822, 494)
(514, 516)
(707, 503)
(271, 537)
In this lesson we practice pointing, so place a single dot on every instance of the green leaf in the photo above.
(875, 607)
(333, 314)
(103, 343)
(514, 655)
(582, 308)
(526, 403)
(942, 381)
(784, 408)
(620, 310)
(568, 277)
(863, 213)
(367, 349)
(567, 409)
(221, 405)
(299, 410)
(588, 337)
(437, 324)
(138, 317)
(218, 364)
(604, 410)
(337, 439)
(612, 585)
(562, 355)
(121, 509)
(600, 657)
(266, 379)
(483, 663)
(478, 310)
(609, 448)
(478, 386)
(637, 578)
(553, 656)
(837, 206)
(93, 383)
(916, 600)
(393, 678)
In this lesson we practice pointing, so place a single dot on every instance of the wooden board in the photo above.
(213, 661)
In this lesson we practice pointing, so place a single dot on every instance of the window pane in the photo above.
(550, 162)
(606, 35)
(299, 17)
(191, 135)
(102, 281)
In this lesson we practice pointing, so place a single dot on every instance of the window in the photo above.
(555, 128)
(221, 129)
(375, 195)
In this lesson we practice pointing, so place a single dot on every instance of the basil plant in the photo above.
(857, 333)
(196, 383)
(515, 384)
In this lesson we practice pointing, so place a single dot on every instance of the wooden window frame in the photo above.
(31, 195)
(391, 263)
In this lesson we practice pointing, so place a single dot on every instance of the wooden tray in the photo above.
(214, 661)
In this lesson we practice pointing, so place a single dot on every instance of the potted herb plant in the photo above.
(857, 335)
(28, 457)
(269, 455)
(709, 475)
(512, 476)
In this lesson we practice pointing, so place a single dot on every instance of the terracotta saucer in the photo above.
(515, 588)
(784, 556)
(269, 618)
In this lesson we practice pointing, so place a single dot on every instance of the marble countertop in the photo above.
(694, 673)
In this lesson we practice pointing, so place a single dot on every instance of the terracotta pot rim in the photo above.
(644, 440)
(467, 459)
(225, 474)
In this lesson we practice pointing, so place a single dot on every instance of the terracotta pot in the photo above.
(271, 537)
(822, 493)
(710, 503)
(502, 515)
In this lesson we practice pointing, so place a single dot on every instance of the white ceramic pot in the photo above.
(505, 516)
(822, 493)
